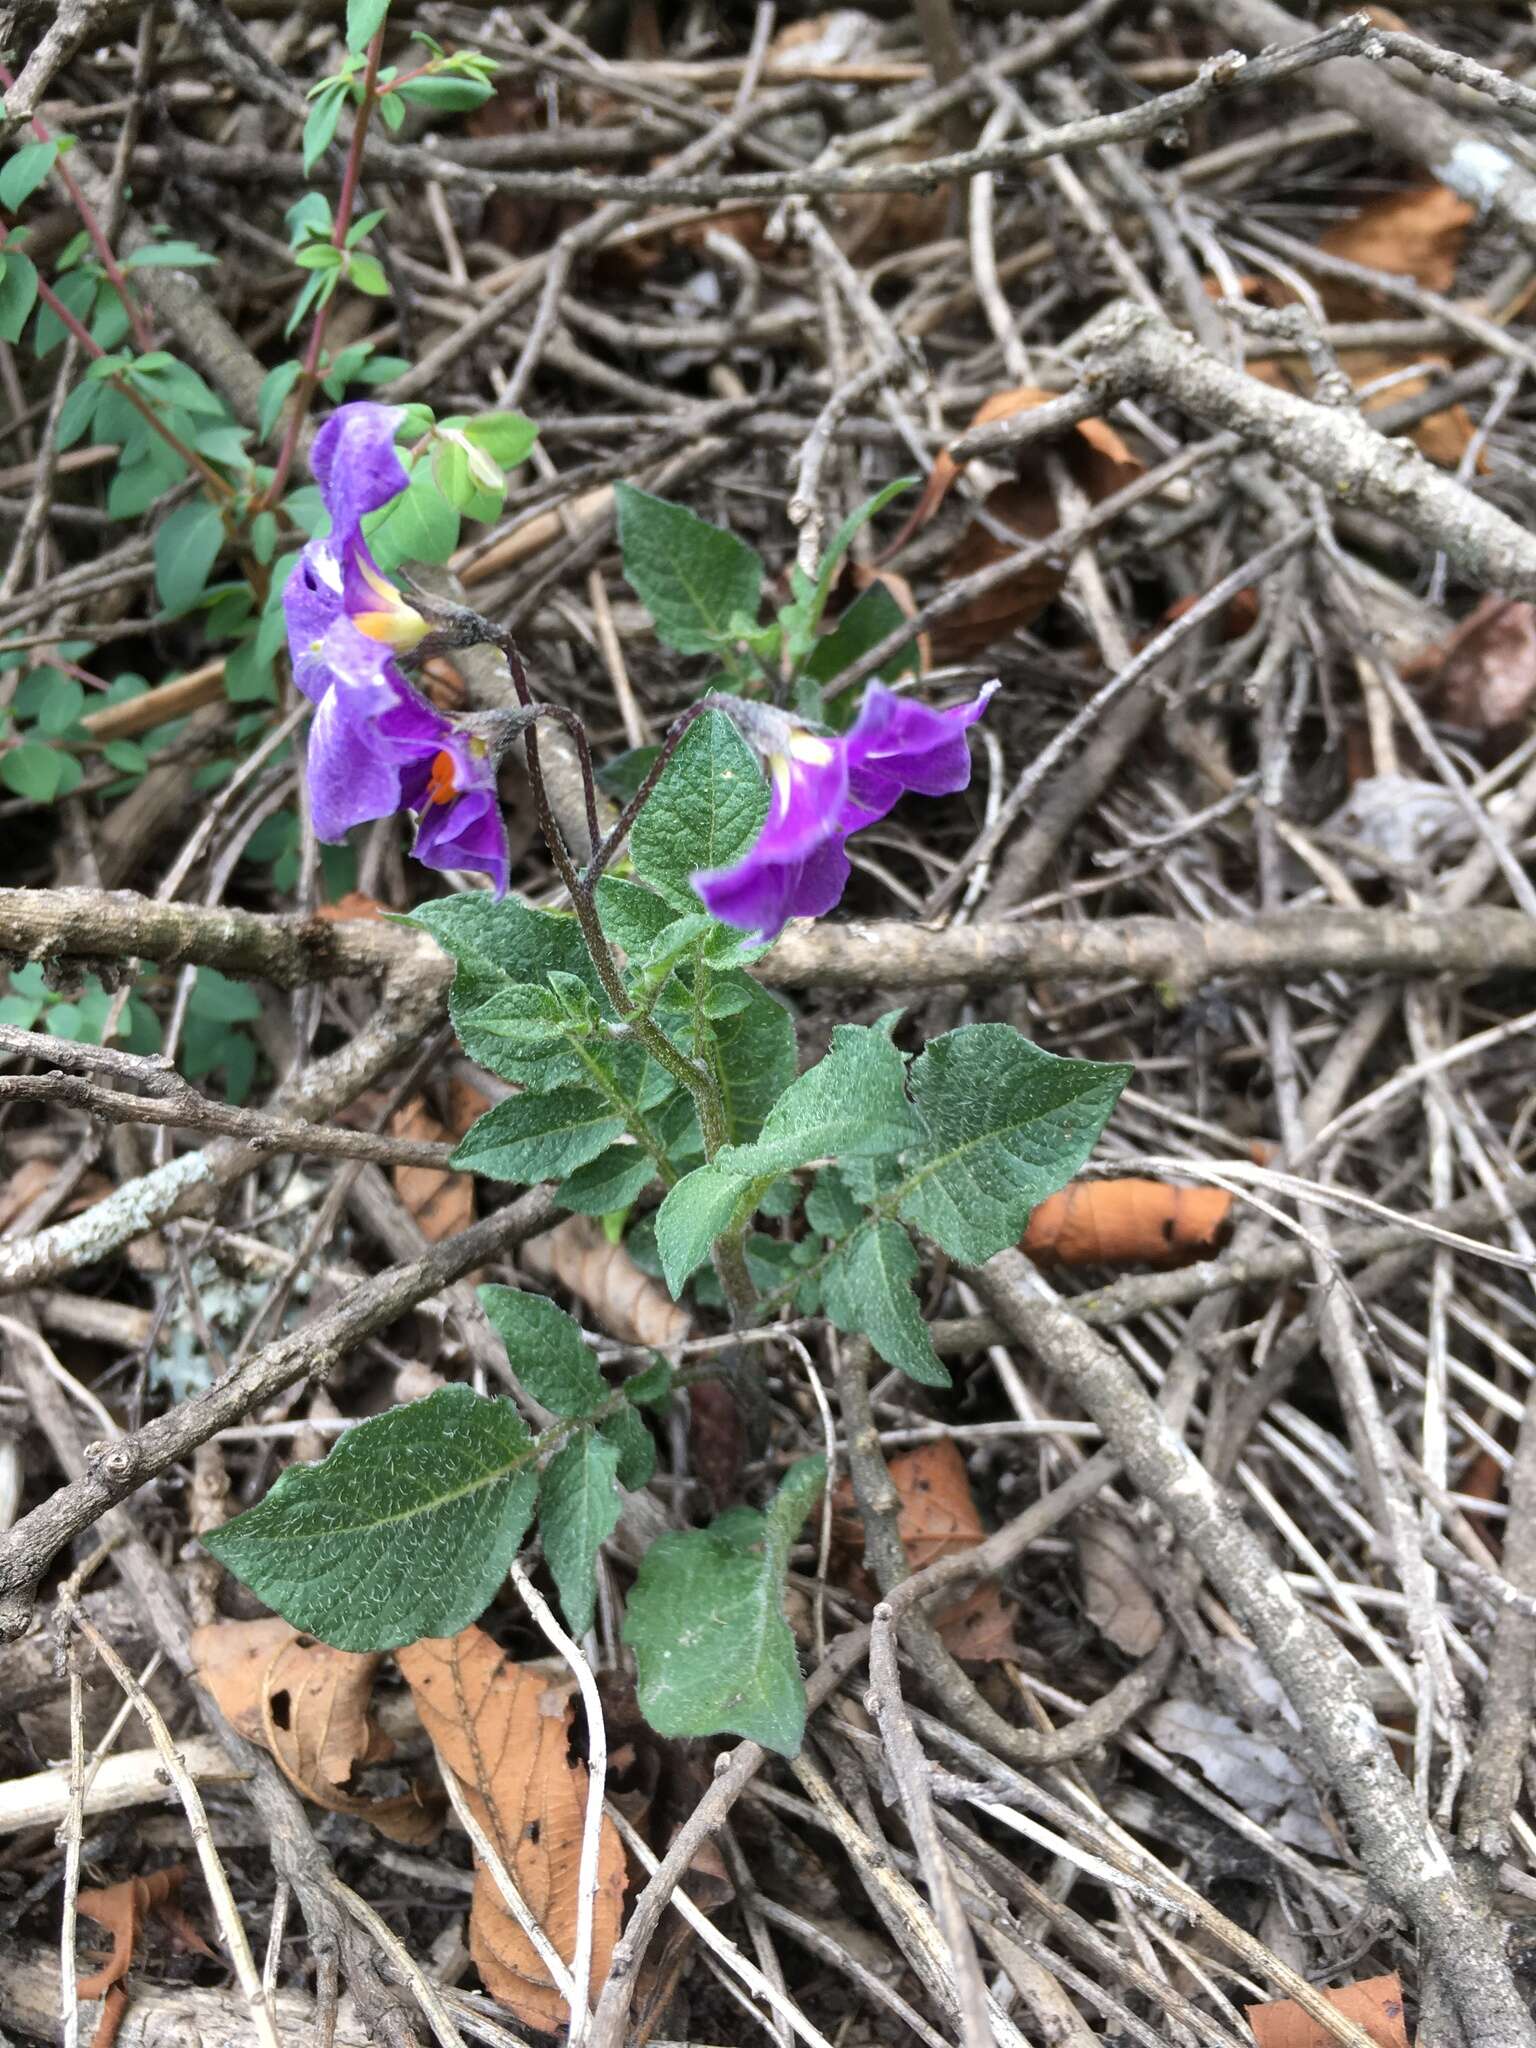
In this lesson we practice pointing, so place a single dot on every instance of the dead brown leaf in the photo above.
(503, 1731)
(1483, 674)
(1417, 234)
(1375, 2003)
(443, 1203)
(938, 1512)
(1130, 1222)
(629, 1304)
(980, 1628)
(316, 1722)
(309, 1705)
(1116, 1596)
(123, 1910)
(350, 908)
(231, 1659)
(1100, 463)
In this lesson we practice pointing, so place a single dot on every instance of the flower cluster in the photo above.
(823, 787)
(376, 746)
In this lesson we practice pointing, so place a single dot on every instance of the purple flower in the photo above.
(376, 746)
(460, 811)
(821, 789)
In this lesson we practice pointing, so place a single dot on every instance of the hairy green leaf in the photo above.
(577, 1513)
(1007, 1125)
(546, 1349)
(700, 1208)
(704, 813)
(539, 1137)
(867, 1291)
(611, 1181)
(853, 1102)
(406, 1529)
(693, 578)
(714, 1653)
(625, 1429)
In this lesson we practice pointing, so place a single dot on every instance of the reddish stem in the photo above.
(143, 335)
(216, 484)
(346, 202)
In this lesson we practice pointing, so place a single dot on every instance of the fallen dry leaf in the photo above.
(1417, 234)
(123, 1909)
(980, 1629)
(629, 1304)
(231, 1658)
(309, 1705)
(1375, 2003)
(1130, 1222)
(1099, 461)
(1116, 1596)
(350, 908)
(938, 1512)
(316, 1722)
(1482, 676)
(443, 1203)
(938, 1518)
(504, 1733)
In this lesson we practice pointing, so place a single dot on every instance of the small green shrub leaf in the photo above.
(539, 1137)
(577, 1513)
(704, 813)
(405, 1530)
(696, 1211)
(187, 544)
(25, 171)
(625, 1429)
(547, 1351)
(693, 578)
(706, 1623)
(867, 1291)
(1007, 1125)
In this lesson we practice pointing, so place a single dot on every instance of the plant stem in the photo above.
(699, 1082)
(346, 202)
(217, 485)
(143, 336)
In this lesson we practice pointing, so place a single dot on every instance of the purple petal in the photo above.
(460, 811)
(808, 785)
(760, 895)
(355, 463)
(897, 744)
(352, 778)
(465, 834)
(312, 603)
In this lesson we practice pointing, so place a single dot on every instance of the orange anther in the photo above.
(441, 788)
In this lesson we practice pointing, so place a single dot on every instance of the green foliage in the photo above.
(24, 171)
(546, 1349)
(1007, 1125)
(694, 579)
(704, 813)
(405, 1530)
(714, 1653)
(539, 1137)
(702, 586)
(578, 1508)
(867, 1292)
(187, 544)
